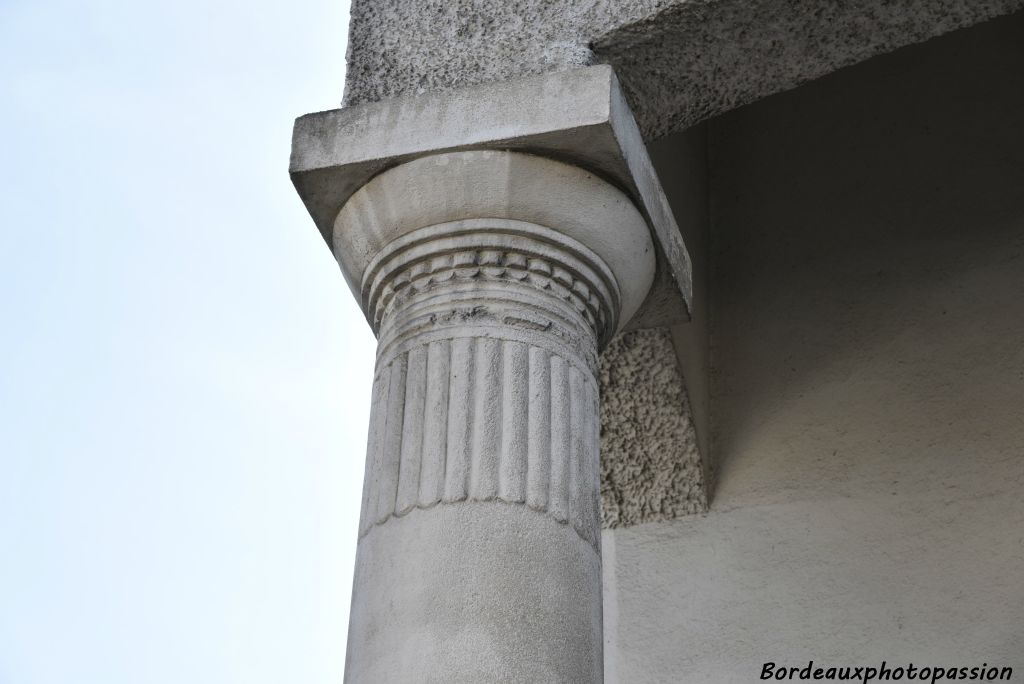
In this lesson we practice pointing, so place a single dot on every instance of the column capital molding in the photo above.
(577, 117)
(497, 216)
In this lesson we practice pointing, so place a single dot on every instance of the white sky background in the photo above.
(184, 376)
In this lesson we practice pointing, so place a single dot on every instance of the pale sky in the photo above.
(184, 376)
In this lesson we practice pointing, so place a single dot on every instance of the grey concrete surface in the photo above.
(475, 595)
(867, 347)
(680, 60)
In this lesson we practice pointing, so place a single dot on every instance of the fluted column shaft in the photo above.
(485, 386)
(479, 552)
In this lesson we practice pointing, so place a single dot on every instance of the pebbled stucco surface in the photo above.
(650, 464)
(398, 47)
(680, 61)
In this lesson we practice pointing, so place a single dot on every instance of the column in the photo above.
(492, 280)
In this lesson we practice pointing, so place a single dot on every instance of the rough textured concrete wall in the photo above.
(407, 48)
(650, 464)
(680, 60)
(868, 330)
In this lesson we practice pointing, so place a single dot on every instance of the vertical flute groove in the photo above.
(390, 461)
(375, 444)
(435, 423)
(411, 458)
(561, 440)
(486, 452)
(460, 419)
(578, 412)
(592, 457)
(515, 397)
(539, 453)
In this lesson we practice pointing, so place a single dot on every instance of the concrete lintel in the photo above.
(578, 116)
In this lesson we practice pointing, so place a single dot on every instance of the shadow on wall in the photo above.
(867, 233)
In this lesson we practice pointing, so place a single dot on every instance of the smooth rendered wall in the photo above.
(867, 384)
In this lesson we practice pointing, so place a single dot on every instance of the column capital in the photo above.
(578, 117)
(497, 216)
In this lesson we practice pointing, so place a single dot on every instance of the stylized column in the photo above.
(492, 275)
(492, 279)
